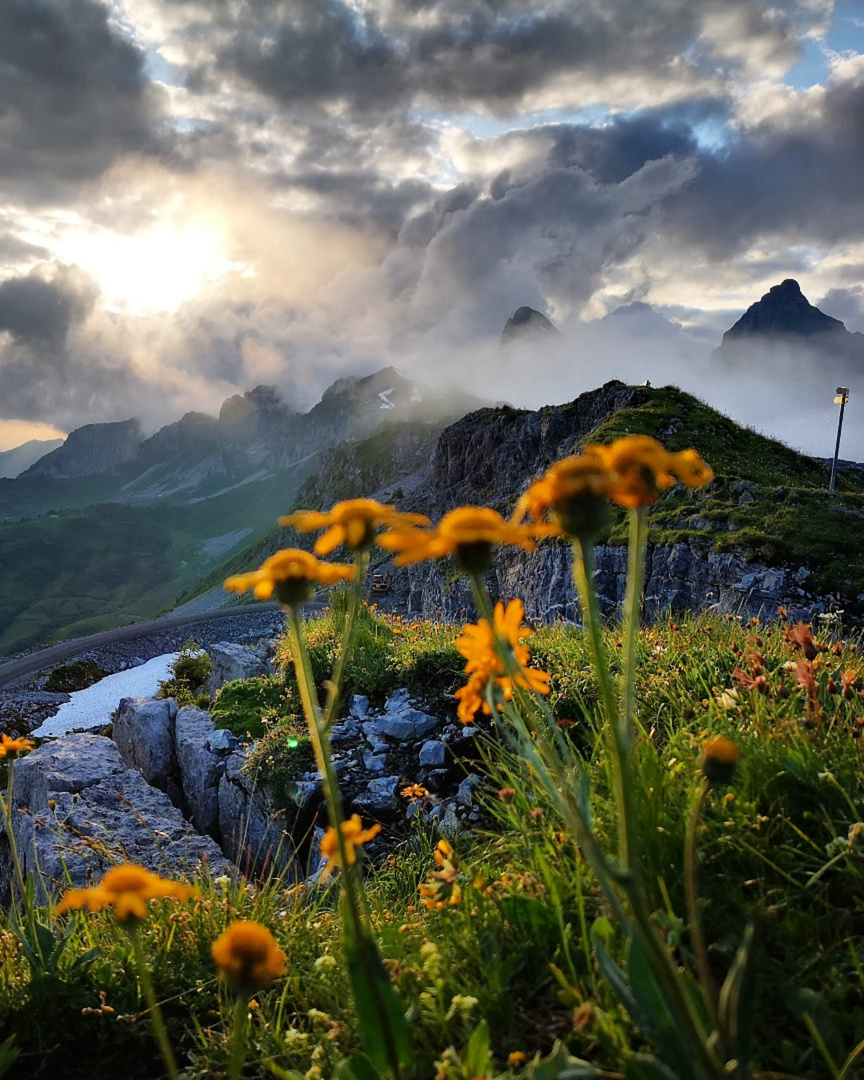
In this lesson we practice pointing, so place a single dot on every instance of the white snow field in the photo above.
(91, 708)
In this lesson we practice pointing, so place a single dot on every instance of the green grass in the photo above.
(782, 845)
(79, 571)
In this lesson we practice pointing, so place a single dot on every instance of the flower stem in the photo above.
(238, 1036)
(152, 1004)
(619, 759)
(361, 565)
(13, 847)
(694, 918)
(352, 887)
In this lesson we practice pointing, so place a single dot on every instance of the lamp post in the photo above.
(841, 399)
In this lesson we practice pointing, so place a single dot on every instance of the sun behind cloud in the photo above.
(152, 271)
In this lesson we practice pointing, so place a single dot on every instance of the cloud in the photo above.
(43, 306)
(74, 96)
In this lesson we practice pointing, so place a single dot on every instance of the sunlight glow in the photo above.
(154, 271)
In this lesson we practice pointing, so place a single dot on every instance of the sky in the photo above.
(199, 196)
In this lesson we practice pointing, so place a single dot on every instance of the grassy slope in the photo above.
(354, 469)
(79, 571)
(788, 518)
(779, 846)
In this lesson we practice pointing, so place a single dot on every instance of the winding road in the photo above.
(65, 650)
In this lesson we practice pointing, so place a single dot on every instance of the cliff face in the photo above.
(489, 455)
(678, 578)
(95, 448)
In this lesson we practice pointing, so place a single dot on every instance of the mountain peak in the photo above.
(528, 324)
(784, 309)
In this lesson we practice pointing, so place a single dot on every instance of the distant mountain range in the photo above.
(112, 526)
(16, 461)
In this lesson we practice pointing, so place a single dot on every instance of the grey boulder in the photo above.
(230, 662)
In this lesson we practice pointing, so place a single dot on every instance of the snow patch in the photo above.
(92, 708)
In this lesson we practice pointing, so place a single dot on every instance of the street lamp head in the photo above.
(842, 395)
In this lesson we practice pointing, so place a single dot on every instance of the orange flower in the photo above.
(352, 523)
(126, 889)
(354, 834)
(414, 791)
(247, 954)
(290, 574)
(442, 887)
(478, 644)
(13, 748)
(719, 758)
(468, 534)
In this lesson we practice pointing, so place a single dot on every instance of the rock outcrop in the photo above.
(230, 661)
(92, 449)
(679, 577)
(78, 809)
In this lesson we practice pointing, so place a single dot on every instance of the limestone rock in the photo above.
(232, 662)
(103, 813)
(144, 734)
(200, 768)
(379, 796)
(433, 752)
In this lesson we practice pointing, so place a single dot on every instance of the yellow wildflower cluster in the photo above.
(631, 472)
(478, 643)
(126, 889)
(442, 888)
(354, 836)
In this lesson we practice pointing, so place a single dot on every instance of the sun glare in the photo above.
(155, 271)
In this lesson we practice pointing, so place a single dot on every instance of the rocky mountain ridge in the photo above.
(15, 461)
(765, 532)
(784, 328)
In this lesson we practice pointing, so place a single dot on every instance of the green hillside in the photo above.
(78, 571)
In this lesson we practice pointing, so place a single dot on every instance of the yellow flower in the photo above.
(477, 644)
(468, 534)
(247, 954)
(442, 887)
(719, 758)
(516, 1059)
(352, 523)
(640, 469)
(10, 747)
(290, 574)
(355, 835)
(575, 490)
(414, 791)
(126, 889)
(632, 472)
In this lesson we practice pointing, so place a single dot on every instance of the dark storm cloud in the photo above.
(312, 53)
(799, 181)
(41, 375)
(73, 97)
(43, 307)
